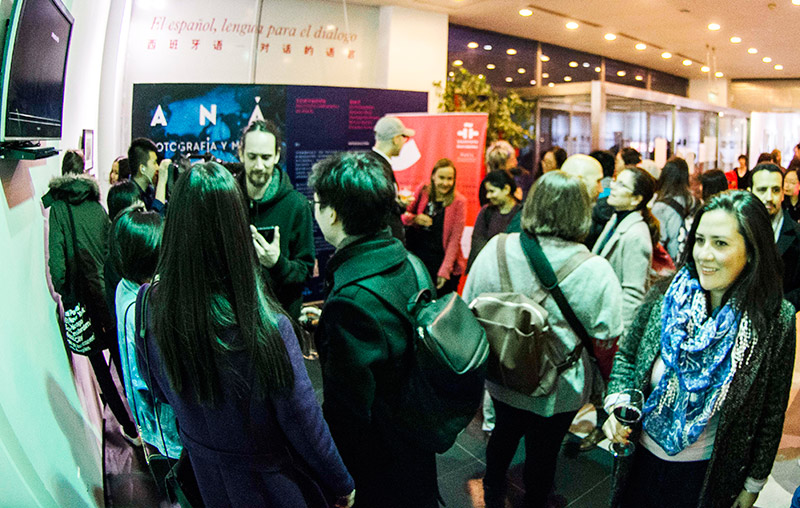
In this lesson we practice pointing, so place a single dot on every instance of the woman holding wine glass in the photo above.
(713, 355)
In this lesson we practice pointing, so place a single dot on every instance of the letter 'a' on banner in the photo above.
(460, 137)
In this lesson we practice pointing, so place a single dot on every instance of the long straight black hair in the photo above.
(209, 281)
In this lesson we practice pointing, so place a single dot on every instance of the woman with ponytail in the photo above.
(630, 236)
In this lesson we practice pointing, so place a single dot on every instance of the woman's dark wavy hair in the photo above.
(209, 281)
(759, 289)
(135, 243)
(500, 179)
(644, 185)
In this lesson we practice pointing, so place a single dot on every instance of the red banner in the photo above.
(460, 137)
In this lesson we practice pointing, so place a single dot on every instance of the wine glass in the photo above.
(627, 410)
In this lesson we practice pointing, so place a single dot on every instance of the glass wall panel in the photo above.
(667, 83)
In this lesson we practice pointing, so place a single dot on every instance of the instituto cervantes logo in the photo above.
(468, 137)
(467, 132)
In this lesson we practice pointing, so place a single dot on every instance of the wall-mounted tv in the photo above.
(33, 70)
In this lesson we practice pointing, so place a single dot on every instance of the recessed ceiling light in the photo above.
(641, 46)
(704, 68)
(457, 62)
(525, 12)
(766, 59)
(481, 76)
(597, 69)
(610, 37)
(639, 78)
(521, 70)
(472, 45)
(796, 2)
(687, 62)
(551, 85)
(533, 81)
(490, 66)
(545, 58)
(509, 80)
(545, 75)
(714, 27)
(572, 25)
(737, 40)
(586, 64)
(511, 51)
(568, 78)
(718, 74)
(573, 64)
(451, 74)
(752, 51)
(487, 47)
(666, 54)
(779, 67)
(621, 73)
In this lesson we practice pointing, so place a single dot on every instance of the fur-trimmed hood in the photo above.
(73, 189)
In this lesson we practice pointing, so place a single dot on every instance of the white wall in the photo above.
(49, 437)
(714, 91)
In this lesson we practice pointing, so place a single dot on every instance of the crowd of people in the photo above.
(685, 285)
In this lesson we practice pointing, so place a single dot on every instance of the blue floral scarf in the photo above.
(696, 349)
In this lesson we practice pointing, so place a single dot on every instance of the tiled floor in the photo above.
(582, 481)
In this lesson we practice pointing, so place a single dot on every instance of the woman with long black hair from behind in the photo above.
(713, 355)
(228, 362)
(674, 204)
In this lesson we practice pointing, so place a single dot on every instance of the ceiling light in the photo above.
(481, 76)
(472, 45)
(796, 2)
(509, 80)
(457, 62)
(544, 58)
(718, 74)
(533, 81)
(621, 73)
(572, 25)
(704, 68)
(451, 74)
(737, 40)
(511, 51)
(639, 78)
(488, 47)
(641, 46)
(597, 69)
(551, 85)
(752, 51)
(573, 64)
(586, 64)
(521, 70)
(490, 66)
(567, 78)
(766, 59)
(714, 27)
(666, 54)
(687, 62)
(525, 12)
(610, 37)
(779, 67)
(545, 75)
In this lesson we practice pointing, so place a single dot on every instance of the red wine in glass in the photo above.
(627, 415)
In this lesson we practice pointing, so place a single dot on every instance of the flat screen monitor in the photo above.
(34, 67)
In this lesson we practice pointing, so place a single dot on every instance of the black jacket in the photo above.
(291, 212)
(395, 222)
(363, 347)
(789, 248)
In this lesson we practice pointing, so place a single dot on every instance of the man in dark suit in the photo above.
(390, 136)
(767, 185)
(362, 341)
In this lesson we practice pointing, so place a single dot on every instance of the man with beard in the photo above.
(280, 217)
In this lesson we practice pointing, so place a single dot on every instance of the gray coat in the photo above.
(751, 417)
(630, 252)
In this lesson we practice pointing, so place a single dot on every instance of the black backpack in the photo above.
(447, 361)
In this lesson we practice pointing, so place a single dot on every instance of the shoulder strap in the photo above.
(544, 270)
(502, 264)
(73, 277)
(676, 206)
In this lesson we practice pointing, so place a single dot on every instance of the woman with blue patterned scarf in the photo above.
(714, 356)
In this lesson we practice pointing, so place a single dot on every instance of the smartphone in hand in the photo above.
(268, 232)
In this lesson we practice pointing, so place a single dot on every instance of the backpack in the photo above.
(526, 356)
(447, 361)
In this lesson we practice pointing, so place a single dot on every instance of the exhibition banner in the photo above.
(460, 137)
